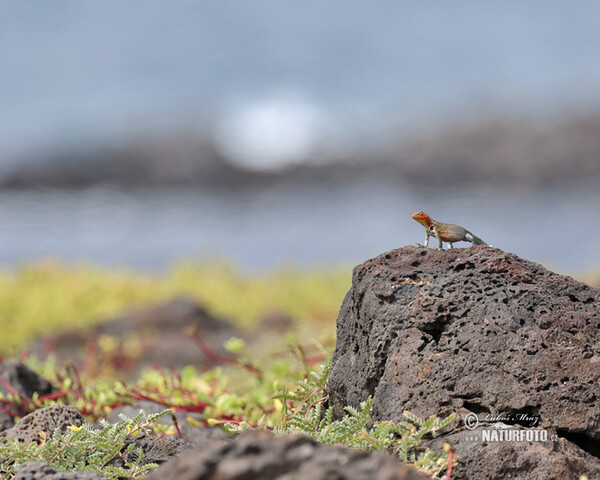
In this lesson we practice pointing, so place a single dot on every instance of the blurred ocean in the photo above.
(276, 84)
(275, 78)
(304, 226)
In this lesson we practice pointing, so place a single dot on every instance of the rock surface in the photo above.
(259, 455)
(155, 336)
(41, 471)
(22, 380)
(515, 459)
(45, 421)
(189, 429)
(473, 330)
(155, 449)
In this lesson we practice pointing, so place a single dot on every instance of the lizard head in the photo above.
(422, 218)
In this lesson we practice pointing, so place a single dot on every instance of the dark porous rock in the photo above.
(164, 448)
(22, 380)
(531, 460)
(200, 435)
(160, 335)
(41, 471)
(6, 421)
(474, 330)
(154, 449)
(47, 420)
(259, 455)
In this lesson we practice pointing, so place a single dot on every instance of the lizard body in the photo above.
(446, 232)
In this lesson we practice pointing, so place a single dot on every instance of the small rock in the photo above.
(259, 455)
(154, 449)
(165, 448)
(187, 421)
(41, 471)
(161, 339)
(521, 459)
(24, 381)
(45, 420)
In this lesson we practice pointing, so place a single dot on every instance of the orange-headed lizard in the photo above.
(445, 231)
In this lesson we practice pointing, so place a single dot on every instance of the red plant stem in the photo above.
(218, 358)
(9, 387)
(450, 457)
(10, 412)
(140, 396)
(52, 396)
(191, 408)
(236, 422)
(176, 423)
(199, 407)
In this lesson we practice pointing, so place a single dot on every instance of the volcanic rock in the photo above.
(537, 460)
(158, 336)
(154, 449)
(42, 471)
(186, 421)
(258, 455)
(22, 380)
(44, 421)
(474, 330)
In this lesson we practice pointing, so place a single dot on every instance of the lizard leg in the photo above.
(451, 246)
(440, 245)
(426, 242)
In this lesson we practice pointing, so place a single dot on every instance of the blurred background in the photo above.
(180, 176)
(268, 132)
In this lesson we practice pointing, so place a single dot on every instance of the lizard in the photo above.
(446, 232)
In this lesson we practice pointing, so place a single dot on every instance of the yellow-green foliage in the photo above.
(49, 296)
(591, 277)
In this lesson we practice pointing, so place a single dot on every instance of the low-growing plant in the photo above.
(238, 397)
(306, 413)
(236, 391)
(50, 296)
(86, 449)
(249, 401)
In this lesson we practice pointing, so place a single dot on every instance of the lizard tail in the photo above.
(475, 240)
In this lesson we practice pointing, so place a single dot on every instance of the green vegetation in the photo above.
(49, 296)
(225, 393)
(297, 409)
(357, 429)
(85, 449)
(590, 276)
(272, 383)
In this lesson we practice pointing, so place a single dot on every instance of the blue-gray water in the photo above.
(148, 229)
(78, 72)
